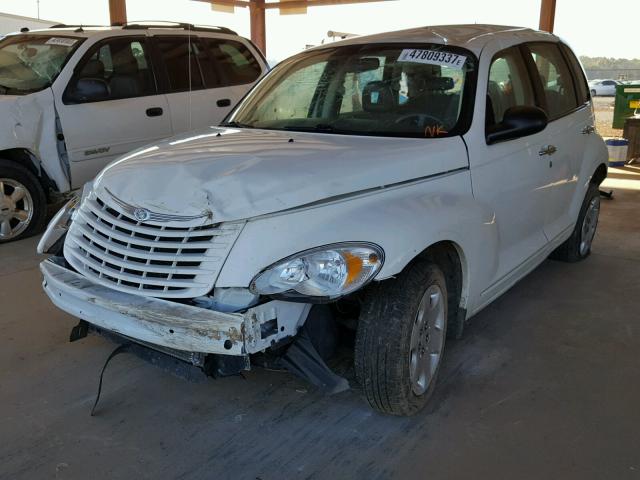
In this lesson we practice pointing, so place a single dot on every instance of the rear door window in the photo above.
(556, 79)
(180, 57)
(234, 62)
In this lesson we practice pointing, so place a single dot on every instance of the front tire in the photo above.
(400, 339)
(23, 204)
(593, 93)
(578, 246)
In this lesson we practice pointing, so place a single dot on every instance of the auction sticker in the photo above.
(432, 57)
(64, 42)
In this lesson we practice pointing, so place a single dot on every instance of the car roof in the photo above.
(87, 31)
(473, 37)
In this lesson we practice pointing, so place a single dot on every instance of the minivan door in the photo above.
(569, 121)
(205, 78)
(110, 106)
(508, 176)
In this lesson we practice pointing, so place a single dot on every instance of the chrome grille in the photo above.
(116, 250)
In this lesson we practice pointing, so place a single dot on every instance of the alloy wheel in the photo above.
(427, 339)
(589, 224)
(16, 208)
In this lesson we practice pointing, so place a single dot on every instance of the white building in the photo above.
(13, 23)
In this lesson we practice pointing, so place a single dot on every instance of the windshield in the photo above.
(29, 63)
(388, 90)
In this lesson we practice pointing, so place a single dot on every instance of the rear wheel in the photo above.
(578, 246)
(400, 339)
(593, 93)
(22, 202)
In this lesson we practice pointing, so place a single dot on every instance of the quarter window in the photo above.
(581, 81)
(509, 85)
(555, 77)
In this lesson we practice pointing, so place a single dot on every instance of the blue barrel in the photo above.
(617, 151)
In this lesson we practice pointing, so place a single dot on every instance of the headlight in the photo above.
(61, 222)
(330, 271)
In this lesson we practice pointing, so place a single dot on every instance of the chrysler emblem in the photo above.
(141, 214)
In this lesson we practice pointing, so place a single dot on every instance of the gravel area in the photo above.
(603, 107)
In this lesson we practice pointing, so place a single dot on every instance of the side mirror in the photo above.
(90, 90)
(517, 122)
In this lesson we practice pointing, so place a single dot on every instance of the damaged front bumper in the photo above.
(170, 324)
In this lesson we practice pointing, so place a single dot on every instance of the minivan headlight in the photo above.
(61, 222)
(329, 272)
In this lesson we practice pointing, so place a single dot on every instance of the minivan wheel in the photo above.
(22, 202)
(578, 246)
(400, 339)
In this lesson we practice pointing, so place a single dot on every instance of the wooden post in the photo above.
(258, 27)
(118, 12)
(547, 15)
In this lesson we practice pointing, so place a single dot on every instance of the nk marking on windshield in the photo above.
(432, 57)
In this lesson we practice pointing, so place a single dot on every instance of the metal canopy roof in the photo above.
(257, 8)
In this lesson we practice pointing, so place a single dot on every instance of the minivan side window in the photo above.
(234, 61)
(555, 76)
(508, 86)
(580, 80)
(116, 69)
(183, 69)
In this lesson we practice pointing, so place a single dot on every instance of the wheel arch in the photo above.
(599, 174)
(27, 159)
(450, 257)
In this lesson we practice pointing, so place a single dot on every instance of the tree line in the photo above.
(609, 63)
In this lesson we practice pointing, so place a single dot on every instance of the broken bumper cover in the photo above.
(170, 324)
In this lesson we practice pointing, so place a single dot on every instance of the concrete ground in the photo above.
(544, 384)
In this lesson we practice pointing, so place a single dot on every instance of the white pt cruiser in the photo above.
(394, 184)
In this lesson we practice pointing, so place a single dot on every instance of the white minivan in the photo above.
(394, 184)
(74, 98)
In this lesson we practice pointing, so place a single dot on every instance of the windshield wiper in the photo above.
(235, 124)
(321, 127)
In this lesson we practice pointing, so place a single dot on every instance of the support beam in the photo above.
(118, 12)
(316, 3)
(228, 3)
(258, 25)
(547, 15)
(257, 12)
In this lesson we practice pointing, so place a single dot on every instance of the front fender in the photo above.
(404, 220)
(28, 123)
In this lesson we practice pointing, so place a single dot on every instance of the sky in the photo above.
(596, 29)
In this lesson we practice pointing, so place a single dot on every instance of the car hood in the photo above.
(225, 174)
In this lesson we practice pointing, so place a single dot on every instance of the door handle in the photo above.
(548, 150)
(588, 129)
(154, 112)
(225, 102)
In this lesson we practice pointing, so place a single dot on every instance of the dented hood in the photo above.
(231, 174)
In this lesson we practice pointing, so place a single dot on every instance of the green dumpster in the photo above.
(627, 102)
